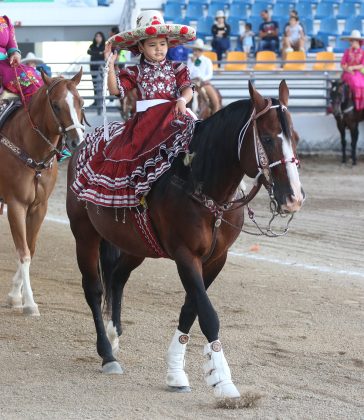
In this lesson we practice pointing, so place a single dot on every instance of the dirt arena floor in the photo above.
(291, 312)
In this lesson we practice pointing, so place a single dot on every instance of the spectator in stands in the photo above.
(96, 51)
(37, 63)
(201, 71)
(247, 39)
(293, 37)
(268, 33)
(221, 35)
(352, 64)
(179, 53)
(13, 76)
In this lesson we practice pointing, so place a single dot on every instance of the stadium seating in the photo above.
(258, 6)
(298, 56)
(307, 24)
(281, 9)
(213, 57)
(325, 56)
(204, 24)
(304, 9)
(329, 26)
(351, 23)
(172, 11)
(194, 10)
(346, 10)
(265, 56)
(239, 10)
(340, 45)
(182, 2)
(236, 56)
(324, 10)
(255, 22)
(361, 10)
(234, 23)
(214, 7)
(181, 20)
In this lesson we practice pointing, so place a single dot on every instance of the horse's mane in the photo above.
(282, 119)
(216, 138)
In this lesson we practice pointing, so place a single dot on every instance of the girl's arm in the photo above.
(112, 84)
(12, 46)
(182, 101)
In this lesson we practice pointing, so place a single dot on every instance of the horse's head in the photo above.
(66, 108)
(340, 98)
(274, 147)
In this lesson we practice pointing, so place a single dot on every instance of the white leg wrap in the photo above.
(113, 337)
(176, 376)
(217, 371)
(15, 296)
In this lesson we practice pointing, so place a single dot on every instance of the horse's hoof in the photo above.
(112, 368)
(179, 389)
(31, 310)
(14, 302)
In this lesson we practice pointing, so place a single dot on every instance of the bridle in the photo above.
(263, 168)
(337, 108)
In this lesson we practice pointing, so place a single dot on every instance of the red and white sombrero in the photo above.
(150, 24)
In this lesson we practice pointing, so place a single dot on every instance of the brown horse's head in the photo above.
(66, 108)
(275, 144)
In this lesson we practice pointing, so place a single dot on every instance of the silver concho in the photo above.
(183, 339)
(216, 346)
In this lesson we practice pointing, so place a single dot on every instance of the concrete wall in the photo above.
(318, 132)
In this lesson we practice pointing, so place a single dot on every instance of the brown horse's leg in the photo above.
(34, 221)
(114, 282)
(17, 221)
(341, 128)
(177, 379)
(87, 250)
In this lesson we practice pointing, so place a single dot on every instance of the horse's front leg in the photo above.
(354, 140)
(216, 368)
(21, 281)
(341, 128)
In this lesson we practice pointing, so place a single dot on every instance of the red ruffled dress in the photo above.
(119, 172)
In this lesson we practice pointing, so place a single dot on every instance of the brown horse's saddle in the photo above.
(7, 108)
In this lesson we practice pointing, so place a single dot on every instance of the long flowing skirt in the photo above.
(356, 83)
(118, 173)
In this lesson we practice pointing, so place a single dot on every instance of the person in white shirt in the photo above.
(294, 37)
(201, 72)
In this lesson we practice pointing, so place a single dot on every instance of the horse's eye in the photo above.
(266, 139)
(56, 107)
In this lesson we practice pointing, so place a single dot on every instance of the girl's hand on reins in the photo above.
(15, 59)
(180, 107)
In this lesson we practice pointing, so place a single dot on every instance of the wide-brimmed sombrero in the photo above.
(355, 34)
(150, 24)
(32, 58)
(199, 45)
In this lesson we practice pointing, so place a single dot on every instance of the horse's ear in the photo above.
(77, 77)
(256, 97)
(46, 79)
(283, 93)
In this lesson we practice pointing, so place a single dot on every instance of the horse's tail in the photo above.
(109, 255)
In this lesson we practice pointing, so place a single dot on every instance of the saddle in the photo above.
(8, 105)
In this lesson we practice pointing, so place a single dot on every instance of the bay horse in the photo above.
(30, 139)
(196, 214)
(201, 104)
(346, 116)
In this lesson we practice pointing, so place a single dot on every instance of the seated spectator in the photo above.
(247, 39)
(179, 53)
(221, 35)
(268, 33)
(37, 63)
(293, 38)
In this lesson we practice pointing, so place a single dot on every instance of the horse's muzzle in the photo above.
(292, 203)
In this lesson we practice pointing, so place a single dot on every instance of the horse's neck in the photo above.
(216, 171)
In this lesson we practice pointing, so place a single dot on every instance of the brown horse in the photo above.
(346, 116)
(29, 142)
(201, 103)
(196, 214)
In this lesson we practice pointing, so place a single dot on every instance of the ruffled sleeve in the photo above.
(345, 57)
(126, 80)
(182, 76)
(12, 45)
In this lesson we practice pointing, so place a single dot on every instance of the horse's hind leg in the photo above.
(17, 221)
(114, 283)
(354, 140)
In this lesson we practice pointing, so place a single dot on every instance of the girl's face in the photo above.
(354, 43)
(98, 39)
(154, 49)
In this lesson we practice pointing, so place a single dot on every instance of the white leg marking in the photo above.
(291, 168)
(217, 371)
(176, 376)
(75, 120)
(15, 297)
(30, 307)
(113, 337)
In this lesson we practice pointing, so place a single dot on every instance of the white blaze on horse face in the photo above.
(73, 113)
(292, 173)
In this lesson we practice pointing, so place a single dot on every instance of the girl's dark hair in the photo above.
(102, 36)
